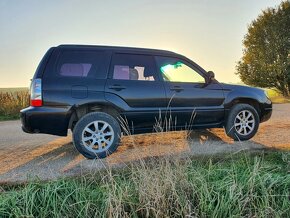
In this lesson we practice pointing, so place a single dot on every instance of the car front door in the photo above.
(191, 100)
(135, 87)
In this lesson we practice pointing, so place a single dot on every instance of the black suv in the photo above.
(100, 92)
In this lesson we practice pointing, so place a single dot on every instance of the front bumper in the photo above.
(266, 111)
(266, 114)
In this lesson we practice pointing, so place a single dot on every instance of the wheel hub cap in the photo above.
(98, 136)
(245, 122)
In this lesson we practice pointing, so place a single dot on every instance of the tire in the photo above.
(93, 143)
(238, 126)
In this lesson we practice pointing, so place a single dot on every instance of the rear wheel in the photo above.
(243, 122)
(96, 135)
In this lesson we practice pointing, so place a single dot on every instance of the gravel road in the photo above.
(25, 156)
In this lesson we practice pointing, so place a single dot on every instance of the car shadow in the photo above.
(215, 142)
(203, 135)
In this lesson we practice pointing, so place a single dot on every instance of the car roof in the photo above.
(120, 49)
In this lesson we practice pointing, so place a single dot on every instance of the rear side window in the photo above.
(133, 67)
(80, 64)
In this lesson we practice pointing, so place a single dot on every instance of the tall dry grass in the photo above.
(12, 102)
(237, 186)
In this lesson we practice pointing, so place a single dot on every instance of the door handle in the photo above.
(176, 88)
(117, 87)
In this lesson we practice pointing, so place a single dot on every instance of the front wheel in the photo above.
(243, 122)
(96, 135)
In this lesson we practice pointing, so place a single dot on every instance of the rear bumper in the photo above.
(49, 120)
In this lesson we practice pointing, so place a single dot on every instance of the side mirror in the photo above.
(211, 75)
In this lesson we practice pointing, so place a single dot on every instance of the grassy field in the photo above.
(13, 89)
(276, 97)
(12, 101)
(241, 185)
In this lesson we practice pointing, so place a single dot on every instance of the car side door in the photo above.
(191, 99)
(135, 87)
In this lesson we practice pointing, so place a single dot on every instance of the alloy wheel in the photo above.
(98, 136)
(244, 122)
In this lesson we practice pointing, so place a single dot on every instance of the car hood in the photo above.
(231, 87)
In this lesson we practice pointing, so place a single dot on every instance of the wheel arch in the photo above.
(78, 111)
(244, 100)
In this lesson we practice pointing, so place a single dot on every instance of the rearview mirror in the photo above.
(211, 75)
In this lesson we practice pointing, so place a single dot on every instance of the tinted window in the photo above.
(80, 64)
(175, 70)
(133, 67)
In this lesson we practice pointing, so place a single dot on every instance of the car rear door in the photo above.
(191, 100)
(135, 87)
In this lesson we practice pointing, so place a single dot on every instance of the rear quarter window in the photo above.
(80, 64)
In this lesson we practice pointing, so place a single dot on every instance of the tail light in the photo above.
(36, 93)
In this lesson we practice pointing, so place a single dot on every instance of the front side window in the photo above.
(133, 67)
(175, 70)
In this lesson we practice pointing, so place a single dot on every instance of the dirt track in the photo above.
(24, 156)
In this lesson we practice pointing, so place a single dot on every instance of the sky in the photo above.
(210, 32)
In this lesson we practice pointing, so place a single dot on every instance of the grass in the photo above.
(11, 103)
(240, 185)
(276, 97)
(236, 186)
(20, 89)
(9, 117)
